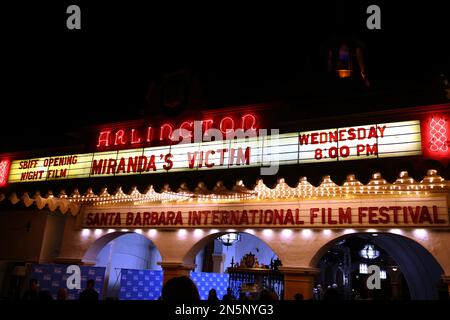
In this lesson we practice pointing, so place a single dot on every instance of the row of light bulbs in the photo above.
(377, 185)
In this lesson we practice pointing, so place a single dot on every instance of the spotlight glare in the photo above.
(286, 233)
(267, 232)
(420, 233)
(251, 231)
(198, 233)
(306, 233)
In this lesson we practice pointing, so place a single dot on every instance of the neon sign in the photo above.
(436, 138)
(4, 171)
(438, 135)
(163, 134)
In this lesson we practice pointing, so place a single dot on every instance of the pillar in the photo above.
(395, 284)
(175, 269)
(446, 280)
(218, 260)
(218, 257)
(298, 280)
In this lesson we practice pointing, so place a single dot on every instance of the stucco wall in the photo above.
(52, 237)
(22, 234)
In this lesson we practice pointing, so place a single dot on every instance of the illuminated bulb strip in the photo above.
(403, 185)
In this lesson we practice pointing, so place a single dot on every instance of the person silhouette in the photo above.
(180, 289)
(89, 294)
(32, 293)
(229, 295)
(212, 296)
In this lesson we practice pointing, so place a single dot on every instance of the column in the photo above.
(175, 269)
(446, 279)
(218, 261)
(395, 283)
(298, 280)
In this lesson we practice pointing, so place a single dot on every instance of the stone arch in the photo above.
(421, 269)
(197, 246)
(119, 250)
(97, 245)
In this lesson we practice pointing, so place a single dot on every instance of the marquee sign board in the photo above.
(362, 212)
(395, 139)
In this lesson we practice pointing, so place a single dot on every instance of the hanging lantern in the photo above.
(344, 62)
(229, 239)
(369, 252)
(347, 60)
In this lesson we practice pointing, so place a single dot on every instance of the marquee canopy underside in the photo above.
(377, 186)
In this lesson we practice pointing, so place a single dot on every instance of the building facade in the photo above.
(298, 186)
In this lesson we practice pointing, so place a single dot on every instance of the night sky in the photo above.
(55, 81)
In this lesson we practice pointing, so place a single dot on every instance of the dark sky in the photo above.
(55, 80)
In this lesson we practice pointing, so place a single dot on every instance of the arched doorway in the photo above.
(119, 251)
(245, 261)
(408, 270)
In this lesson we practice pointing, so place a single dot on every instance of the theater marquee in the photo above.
(355, 213)
(395, 139)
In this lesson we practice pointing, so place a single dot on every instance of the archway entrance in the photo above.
(126, 254)
(406, 269)
(246, 264)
